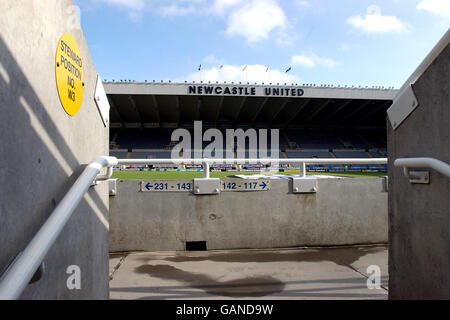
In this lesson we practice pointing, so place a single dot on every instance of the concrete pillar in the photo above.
(419, 214)
(43, 150)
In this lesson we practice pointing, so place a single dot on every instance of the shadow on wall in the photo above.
(37, 169)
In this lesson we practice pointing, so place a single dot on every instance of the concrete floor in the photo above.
(326, 273)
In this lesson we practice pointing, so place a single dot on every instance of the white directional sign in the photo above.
(235, 185)
(167, 186)
(244, 185)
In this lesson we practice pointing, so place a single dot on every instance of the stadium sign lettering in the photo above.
(245, 91)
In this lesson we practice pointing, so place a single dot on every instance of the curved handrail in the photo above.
(18, 275)
(256, 161)
(435, 164)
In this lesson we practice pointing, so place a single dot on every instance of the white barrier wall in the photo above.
(343, 211)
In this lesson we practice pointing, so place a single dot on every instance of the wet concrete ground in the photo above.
(325, 273)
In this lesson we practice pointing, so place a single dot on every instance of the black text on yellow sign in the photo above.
(69, 74)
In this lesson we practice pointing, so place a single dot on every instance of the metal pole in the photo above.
(302, 170)
(205, 170)
(435, 164)
(14, 281)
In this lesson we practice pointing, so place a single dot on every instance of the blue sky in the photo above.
(346, 42)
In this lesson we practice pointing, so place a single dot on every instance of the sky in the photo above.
(323, 42)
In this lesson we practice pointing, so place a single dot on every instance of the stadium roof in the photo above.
(159, 105)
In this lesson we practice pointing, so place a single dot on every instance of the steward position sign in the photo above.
(69, 74)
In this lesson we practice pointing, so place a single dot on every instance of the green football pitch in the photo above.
(172, 174)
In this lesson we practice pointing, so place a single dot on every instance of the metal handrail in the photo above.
(207, 162)
(256, 161)
(432, 163)
(20, 272)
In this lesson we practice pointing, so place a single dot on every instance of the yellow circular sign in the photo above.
(69, 74)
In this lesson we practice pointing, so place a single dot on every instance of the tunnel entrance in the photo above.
(196, 246)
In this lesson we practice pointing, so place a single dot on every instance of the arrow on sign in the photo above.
(263, 185)
(148, 186)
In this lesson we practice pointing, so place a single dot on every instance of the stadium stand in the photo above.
(311, 153)
(378, 153)
(375, 138)
(350, 153)
(144, 116)
(301, 143)
(352, 139)
(143, 139)
(119, 153)
(316, 139)
(150, 154)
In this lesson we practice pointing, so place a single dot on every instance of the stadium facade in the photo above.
(314, 121)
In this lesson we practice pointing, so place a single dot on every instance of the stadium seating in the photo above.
(352, 139)
(350, 153)
(119, 153)
(150, 154)
(296, 143)
(313, 139)
(143, 139)
(376, 139)
(378, 153)
(305, 153)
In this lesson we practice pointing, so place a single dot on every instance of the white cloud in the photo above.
(440, 7)
(375, 22)
(233, 73)
(220, 6)
(312, 60)
(344, 47)
(179, 8)
(134, 7)
(303, 61)
(256, 19)
(212, 60)
(176, 10)
(129, 4)
(303, 3)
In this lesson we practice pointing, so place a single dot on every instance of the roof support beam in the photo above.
(177, 106)
(317, 111)
(135, 109)
(241, 105)
(282, 106)
(337, 110)
(355, 111)
(302, 105)
(199, 105)
(260, 108)
(219, 109)
(375, 110)
(118, 115)
(157, 113)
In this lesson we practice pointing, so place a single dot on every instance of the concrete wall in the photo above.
(344, 211)
(43, 150)
(419, 214)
